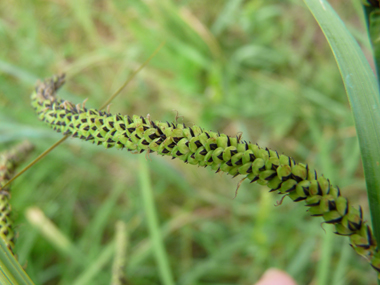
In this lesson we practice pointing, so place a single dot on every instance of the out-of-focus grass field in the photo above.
(261, 67)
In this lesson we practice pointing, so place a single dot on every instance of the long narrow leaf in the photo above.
(372, 17)
(11, 271)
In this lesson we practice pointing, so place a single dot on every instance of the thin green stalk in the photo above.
(153, 225)
(121, 245)
(340, 273)
(324, 265)
(93, 269)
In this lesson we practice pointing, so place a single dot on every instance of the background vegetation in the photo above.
(259, 67)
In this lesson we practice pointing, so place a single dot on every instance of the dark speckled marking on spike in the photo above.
(203, 152)
(191, 132)
(165, 151)
(371, 238)
(198, 143)
(228, 141)
(153, 136)
(316, 215)
(354, 226)
(319, 189)
(270, 177)
(314, 204)
(334, 221)
(332, 205)
(299, 199)
(233, 152)
(255, 179)
(213, 146)
(131, 130)
(173, 144)
(129, 120)
(143, 119)
(296, 178)
(208, 136)
(159, 131)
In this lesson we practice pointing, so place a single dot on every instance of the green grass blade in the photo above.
(11, 271)
(154, 230)
(372, 17)
(362, 91)
(93, 269)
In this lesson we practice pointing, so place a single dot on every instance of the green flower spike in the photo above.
(196, 146)
(9, 160)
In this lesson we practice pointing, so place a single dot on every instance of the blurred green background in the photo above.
(260, 67)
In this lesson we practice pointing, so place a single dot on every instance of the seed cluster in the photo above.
(9, 160)
(223, 153)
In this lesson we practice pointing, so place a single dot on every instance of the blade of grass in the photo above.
(121, 244)
(372, 18)
(153, 225)
(93, 269)
(362, 92)
(11, 271)
(53, 234)
(340, 274)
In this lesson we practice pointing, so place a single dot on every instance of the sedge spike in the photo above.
(9, 160)
(196, 146)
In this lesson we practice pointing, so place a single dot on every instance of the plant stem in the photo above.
(153, 225)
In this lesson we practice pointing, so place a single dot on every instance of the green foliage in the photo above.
(215, 57)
